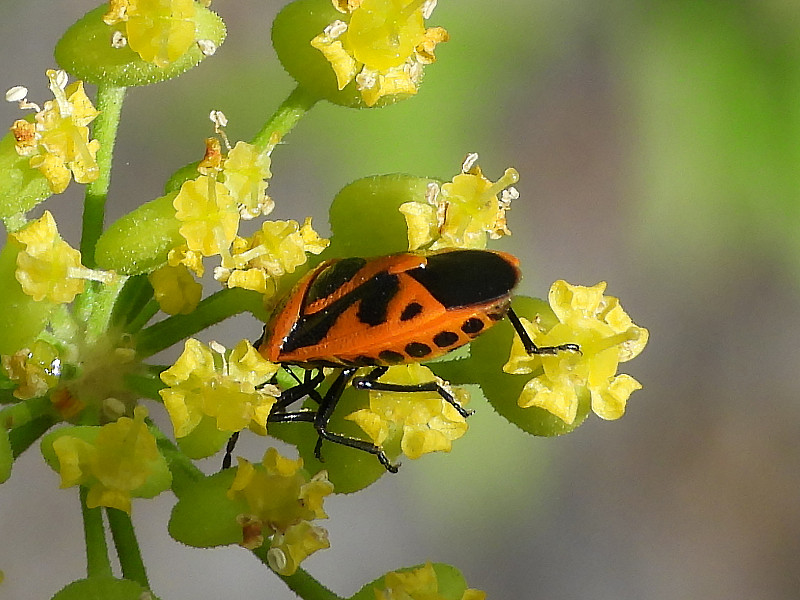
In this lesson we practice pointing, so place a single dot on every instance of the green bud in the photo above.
(21, 187)
(292, 31)
(373, 202)
(105, 587)
(140, 241)
(85, 51)
(30, 317)
(204, 516)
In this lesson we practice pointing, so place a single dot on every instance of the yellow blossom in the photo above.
(58, 139)
(606, 336)
(115, 465)
(47, 267)
(245, 173)
(175, 290)
(209, 215)
(191, 259)
(417, 584)
(463, 213)
(227, 387)
(279, 247)
(159, 31)
(282, 501)
(424, 421)
(382, 45)
(34, 370)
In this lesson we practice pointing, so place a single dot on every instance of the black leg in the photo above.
(369, 382)
(324, 413)
(228, 458)
(532, 348)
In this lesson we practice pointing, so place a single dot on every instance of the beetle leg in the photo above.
(324, 414)
(527, 342)
(369, 382)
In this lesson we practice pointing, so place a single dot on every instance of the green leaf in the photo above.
(85, 51)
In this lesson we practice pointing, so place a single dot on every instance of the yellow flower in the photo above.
(48, 268)
(424, 421)
(34, 370)
(245, 172)
(279, 247)
(159, 31)
(58, 139)
(115, 465)
(417, 584)
(191, 259)
(381, 44)
(606, 336)
(464, 212)
(209, 215)
(176, 291)
(227, 387)
(282, 501)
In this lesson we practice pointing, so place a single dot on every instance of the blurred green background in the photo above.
(658, 143)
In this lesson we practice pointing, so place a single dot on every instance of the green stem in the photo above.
(132, 300)
(97, 562)
(24, 436)
(289, 113)
(24, 412)
(215, 308)
(146, 383)
(109, 103)
(130, 556)
(184, 471)
(301, 583)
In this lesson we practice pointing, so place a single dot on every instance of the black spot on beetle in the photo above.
(472, 326)
(411, 311)
(443, 339)
(391, 357)
(418, 349)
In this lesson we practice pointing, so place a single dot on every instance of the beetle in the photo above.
(376, 312)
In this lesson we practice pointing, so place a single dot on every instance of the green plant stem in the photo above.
(184, 471)
(147, 382)
(97, 562)
(301, 583)
(130, 556)
(215, 308)
(289, 113)
(21, 413)
(109, 103)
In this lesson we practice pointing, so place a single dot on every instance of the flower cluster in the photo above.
(423, 421)
(114, 462)
(57, 140)
(417, 584)
(209, 208)
(282, 501)
(606, 336)
(382, 45)
(159, 32)
(210, 388)
(48, 268)
(463, 213)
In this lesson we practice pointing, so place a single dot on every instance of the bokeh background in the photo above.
(658, 143)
